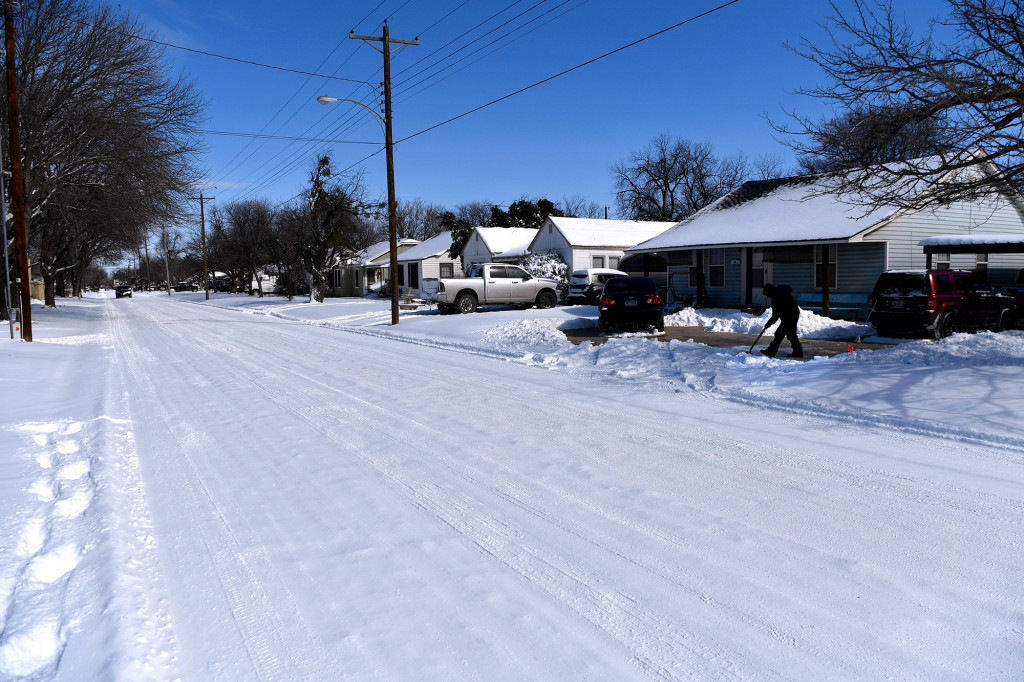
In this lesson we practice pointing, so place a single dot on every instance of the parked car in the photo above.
(122, 290)
(489, 284)
(586, 285)
(939, 302)
(631, 302)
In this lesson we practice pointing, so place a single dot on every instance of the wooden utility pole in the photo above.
(389, 146)
(17, 182)
(202, 221)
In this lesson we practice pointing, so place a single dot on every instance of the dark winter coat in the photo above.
(784, 306)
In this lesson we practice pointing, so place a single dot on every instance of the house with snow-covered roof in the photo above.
(828, 248)
(593, 242)
(366, 270)
(431, 258)
(496, 244)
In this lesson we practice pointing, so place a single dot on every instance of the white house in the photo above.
(790, 231)
(489, 244)
(427, 259)
(367, 268)
(593, 242)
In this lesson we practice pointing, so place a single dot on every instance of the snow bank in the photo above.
(811, 325)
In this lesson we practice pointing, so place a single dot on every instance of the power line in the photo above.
(570, 70)
(259, 136)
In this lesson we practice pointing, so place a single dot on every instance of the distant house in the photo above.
(491, 244)
(593, 242)
(428, 259)
(367, 269)
(788, 231)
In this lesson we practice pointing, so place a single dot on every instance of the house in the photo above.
(490, 244)
(427, 259)
(593, 242)
(366, 270)
(830, 249)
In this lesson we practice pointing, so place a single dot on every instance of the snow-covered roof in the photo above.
(432, 248)
(598, 232)
(500, 240)
(772, 211)
(975, 239)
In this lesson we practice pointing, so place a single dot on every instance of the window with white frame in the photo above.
(716, 268)
(613, 262)
(819, 267)
(942, 261)
(597, 261)
(447, 270)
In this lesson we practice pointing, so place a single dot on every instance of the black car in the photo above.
(122, 290)
(632, 302)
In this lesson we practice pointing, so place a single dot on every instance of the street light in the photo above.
(385, 120)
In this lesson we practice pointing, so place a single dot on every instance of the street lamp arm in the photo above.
(327, 99)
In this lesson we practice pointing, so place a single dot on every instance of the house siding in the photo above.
(994, 216)
(476, 251)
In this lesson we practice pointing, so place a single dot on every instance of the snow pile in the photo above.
(524, 333)
(811, 325)
(985, 349)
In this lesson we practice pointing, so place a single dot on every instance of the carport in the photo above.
(971, 243)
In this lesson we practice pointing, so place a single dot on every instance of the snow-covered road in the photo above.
(280, 501)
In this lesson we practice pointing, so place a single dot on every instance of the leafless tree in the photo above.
(327, 224)
(578, 206)
(108, 134)
(942, 103)
(671, 179)
(250, 234)
(417, 220)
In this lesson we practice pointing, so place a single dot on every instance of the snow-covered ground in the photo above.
(261, 489)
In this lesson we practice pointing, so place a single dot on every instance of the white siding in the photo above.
(990, 216)
(476, 251)
(549, 239)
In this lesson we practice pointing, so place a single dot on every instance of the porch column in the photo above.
(826, 272)
(749, 294)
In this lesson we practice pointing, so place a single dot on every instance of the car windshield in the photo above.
(639, 285)
(901, 284)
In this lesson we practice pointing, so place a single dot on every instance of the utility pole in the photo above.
(389, 146)
(17, 182)
(202, 221)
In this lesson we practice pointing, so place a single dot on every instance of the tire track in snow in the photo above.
(250, 607)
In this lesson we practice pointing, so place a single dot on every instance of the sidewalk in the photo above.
(828, 347)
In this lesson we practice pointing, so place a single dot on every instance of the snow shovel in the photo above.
(763, 330)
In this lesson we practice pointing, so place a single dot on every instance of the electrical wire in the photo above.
(569, 70)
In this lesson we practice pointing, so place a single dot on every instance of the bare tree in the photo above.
(109, 137)
(578, 206)
(327, 225)
(936, 109)
(417, 220)
(250, 233)
(673, 179)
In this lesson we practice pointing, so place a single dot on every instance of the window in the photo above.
(597, 261)
(613, 262)
(401, 276)
(414, 276)
(981, 266)
(942, 261)
(517, 273)
(716, 268)
(819, 267)
(498, 272)
(447, 270)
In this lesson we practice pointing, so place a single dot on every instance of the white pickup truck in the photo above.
(488, 284)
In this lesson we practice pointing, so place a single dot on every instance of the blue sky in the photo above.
(712, 80)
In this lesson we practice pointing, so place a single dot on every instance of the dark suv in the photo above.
(937, 301)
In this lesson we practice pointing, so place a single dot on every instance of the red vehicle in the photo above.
(937, 301)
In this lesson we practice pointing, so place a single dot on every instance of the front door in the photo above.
(761, 274)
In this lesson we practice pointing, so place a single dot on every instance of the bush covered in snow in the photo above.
(548, 265)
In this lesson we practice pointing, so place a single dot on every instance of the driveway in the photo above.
(828, 347)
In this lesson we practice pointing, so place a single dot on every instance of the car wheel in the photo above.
(602, 328)
(660, 325)
(466, 303)
(445, 309)
(1005, 322)
(546, 299)
(949, 324)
